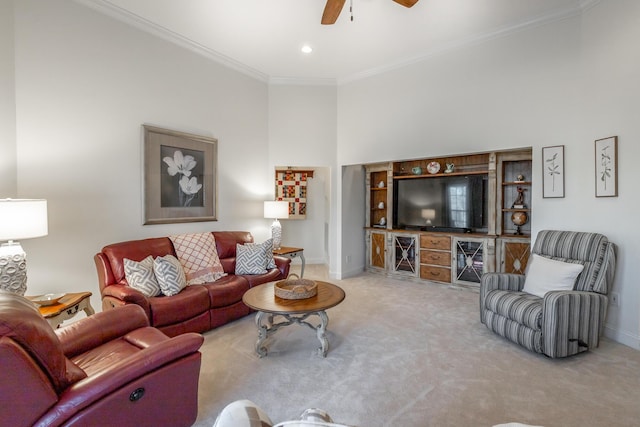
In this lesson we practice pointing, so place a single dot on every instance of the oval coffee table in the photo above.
(263, 299)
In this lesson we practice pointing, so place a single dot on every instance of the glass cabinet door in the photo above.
(469, 260)
(404, 253)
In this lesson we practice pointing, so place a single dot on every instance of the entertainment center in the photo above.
(449, 219)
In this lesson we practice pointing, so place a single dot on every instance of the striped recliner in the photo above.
(562, 323)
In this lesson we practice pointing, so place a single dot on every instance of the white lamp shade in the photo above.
(23, 219)
(276, 210)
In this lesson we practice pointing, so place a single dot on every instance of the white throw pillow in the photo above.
(140, 276)
(242, 413)
(169, 274)
(544, 275)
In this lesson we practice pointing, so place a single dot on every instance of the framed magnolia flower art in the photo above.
(179, 176)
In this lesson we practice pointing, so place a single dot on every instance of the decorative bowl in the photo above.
(47, 299)
(295, 288)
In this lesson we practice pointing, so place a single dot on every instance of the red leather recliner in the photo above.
(111, 368)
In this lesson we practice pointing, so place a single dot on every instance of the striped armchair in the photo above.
(562, 323)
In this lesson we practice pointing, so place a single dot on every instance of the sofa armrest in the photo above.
(283, 264)
(127, 295)
(498, 281)
(95, 330)
(94, 388)
(572, 321)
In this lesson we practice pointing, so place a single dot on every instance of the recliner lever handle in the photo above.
(580, 342)
(136, 394)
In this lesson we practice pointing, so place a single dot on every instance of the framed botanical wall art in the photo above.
(180, 183)
(553, 171)
(606, 167)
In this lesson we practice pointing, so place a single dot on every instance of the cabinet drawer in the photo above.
(439, 274)
(435, 257)
(432, 241)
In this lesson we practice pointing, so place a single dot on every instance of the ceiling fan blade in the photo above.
(406, 3)
(331, 11)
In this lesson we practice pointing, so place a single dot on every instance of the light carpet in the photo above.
(405, 354)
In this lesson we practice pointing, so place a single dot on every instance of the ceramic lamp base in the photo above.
(276, 234)
(13, 268)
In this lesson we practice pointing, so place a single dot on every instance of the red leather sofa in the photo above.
(197, 308)
(107, 369)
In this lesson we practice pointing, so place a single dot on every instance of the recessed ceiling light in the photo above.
(306, 49)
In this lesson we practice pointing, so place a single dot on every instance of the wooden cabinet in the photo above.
(376, 250)
(415, 249)
(435, 257)
(513, 254)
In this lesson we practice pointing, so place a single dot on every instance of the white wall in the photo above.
(7, 103)
(566, 83)
(302, 134)
(85, 83)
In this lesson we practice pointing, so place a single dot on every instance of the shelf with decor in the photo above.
(448, 219)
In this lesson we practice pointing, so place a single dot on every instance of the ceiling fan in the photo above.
(333, 8)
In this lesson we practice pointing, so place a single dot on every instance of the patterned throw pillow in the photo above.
(140, 276)
(170, 274)
(250, 259)
(199, 257)
(267, 246)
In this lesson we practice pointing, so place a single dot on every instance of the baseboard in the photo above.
(622, 337)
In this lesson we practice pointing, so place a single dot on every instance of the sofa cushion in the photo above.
(259, 279)
(140, 276)
(191, 302)
(545, 275)
(199, 257)
(169, 274)
(226, 291)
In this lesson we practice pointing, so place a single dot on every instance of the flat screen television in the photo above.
(442, 203)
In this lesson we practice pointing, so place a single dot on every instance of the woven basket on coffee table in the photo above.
(295, 288)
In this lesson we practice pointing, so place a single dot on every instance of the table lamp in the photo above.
(428, 215)
(276, 210)
(19, 219)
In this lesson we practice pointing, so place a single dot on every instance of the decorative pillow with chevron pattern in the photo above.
(251, 259)
(140, 276)
(169, 274)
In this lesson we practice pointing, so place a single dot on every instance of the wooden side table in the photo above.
(68, 306)
(291, 253)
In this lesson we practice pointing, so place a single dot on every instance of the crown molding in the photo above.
(139, 22)
(299, 81)
(556, 15)
(108, 8)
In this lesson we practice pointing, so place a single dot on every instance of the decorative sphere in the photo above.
(519, 218)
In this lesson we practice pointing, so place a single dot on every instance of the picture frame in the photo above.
(180, 177)
(606, 171)
(553, 172)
